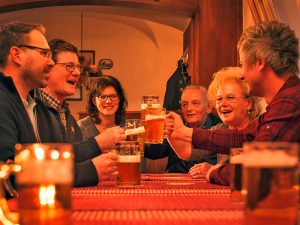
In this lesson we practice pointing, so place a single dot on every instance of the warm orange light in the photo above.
(47, 195)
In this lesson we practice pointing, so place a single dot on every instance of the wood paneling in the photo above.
(187, 8)
(216, 28)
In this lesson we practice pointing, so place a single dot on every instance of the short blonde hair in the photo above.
(232, 73)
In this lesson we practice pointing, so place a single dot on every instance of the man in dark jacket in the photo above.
(196, 112)
(25, 63)
(61, 84)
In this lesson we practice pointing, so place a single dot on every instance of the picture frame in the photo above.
(106, 63)
(86, 58)
(77, 96)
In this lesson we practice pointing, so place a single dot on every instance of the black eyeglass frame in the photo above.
(43, 51)
(70, 67)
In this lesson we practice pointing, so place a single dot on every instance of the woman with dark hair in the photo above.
(106, 107)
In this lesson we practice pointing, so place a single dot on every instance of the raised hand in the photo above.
(178, 135)
(106, 166)
(108, 138)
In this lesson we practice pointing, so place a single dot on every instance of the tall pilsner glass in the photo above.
(44, 183)
(270, 182)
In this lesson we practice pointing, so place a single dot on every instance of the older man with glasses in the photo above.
(62, 83)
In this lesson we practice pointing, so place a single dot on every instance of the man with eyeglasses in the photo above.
(269, 54)
(25, 63)
(196, 112)
(62, 82)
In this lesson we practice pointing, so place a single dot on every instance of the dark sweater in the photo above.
(16, 127)
(175, 164)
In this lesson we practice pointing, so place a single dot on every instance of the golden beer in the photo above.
(129, 164)
(271, 187)
(44, 184)
(148, 101)
(155, 122)
(129, 169)
(136, 134)
(236, 165)
(135, 131)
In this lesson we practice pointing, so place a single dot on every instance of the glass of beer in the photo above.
(155, 122)
(236, 162)
(135, 131)
(270, 182)
(149, 101)
(129, 164)
(6, 217)
(44, 183)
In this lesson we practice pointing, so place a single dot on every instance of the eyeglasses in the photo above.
(70, 66)
(229, 98)
(43, 51)
(113, 97)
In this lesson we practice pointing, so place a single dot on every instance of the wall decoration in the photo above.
(105, 63)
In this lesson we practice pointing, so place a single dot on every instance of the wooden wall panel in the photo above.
(216, 28)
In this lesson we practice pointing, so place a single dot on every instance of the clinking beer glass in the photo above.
(44, 183)
(270, 182)
(135, 131)
(155, 122)
(149, 101)
(129, 164)
(236, 165)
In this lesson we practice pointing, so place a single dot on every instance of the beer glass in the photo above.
(6, 217)
(44, 183)
(149, 101)
(135, 131)
(270, 182)
(236, 162)
(129, 164)
(155, 121)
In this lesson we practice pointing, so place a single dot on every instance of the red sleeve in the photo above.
(220, 175)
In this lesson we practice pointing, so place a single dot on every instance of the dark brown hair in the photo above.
(97, 87)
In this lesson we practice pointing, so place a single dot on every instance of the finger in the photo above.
(193, 167)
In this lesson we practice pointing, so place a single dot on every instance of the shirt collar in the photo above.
(51, 100)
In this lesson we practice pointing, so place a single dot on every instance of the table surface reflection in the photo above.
(161, 199)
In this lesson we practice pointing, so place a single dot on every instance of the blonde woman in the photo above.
(236, 108)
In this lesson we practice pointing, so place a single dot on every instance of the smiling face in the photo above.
(194, 106)
(233, 106)
(106, 102)
(62, 82)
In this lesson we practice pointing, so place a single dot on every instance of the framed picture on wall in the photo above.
(86, 58)
(77, 96)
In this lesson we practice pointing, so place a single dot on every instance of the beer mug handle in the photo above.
(6, 217)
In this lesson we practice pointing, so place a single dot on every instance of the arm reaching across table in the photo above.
(178, 135)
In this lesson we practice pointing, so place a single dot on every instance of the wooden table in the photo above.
(160, 199)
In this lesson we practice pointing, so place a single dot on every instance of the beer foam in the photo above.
(235, 159)
(138, 130)
(54, 171)
(145, 106)
(154, 117)
(130, 158)
(269, 159)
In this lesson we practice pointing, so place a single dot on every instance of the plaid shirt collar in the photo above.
(52, 101)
